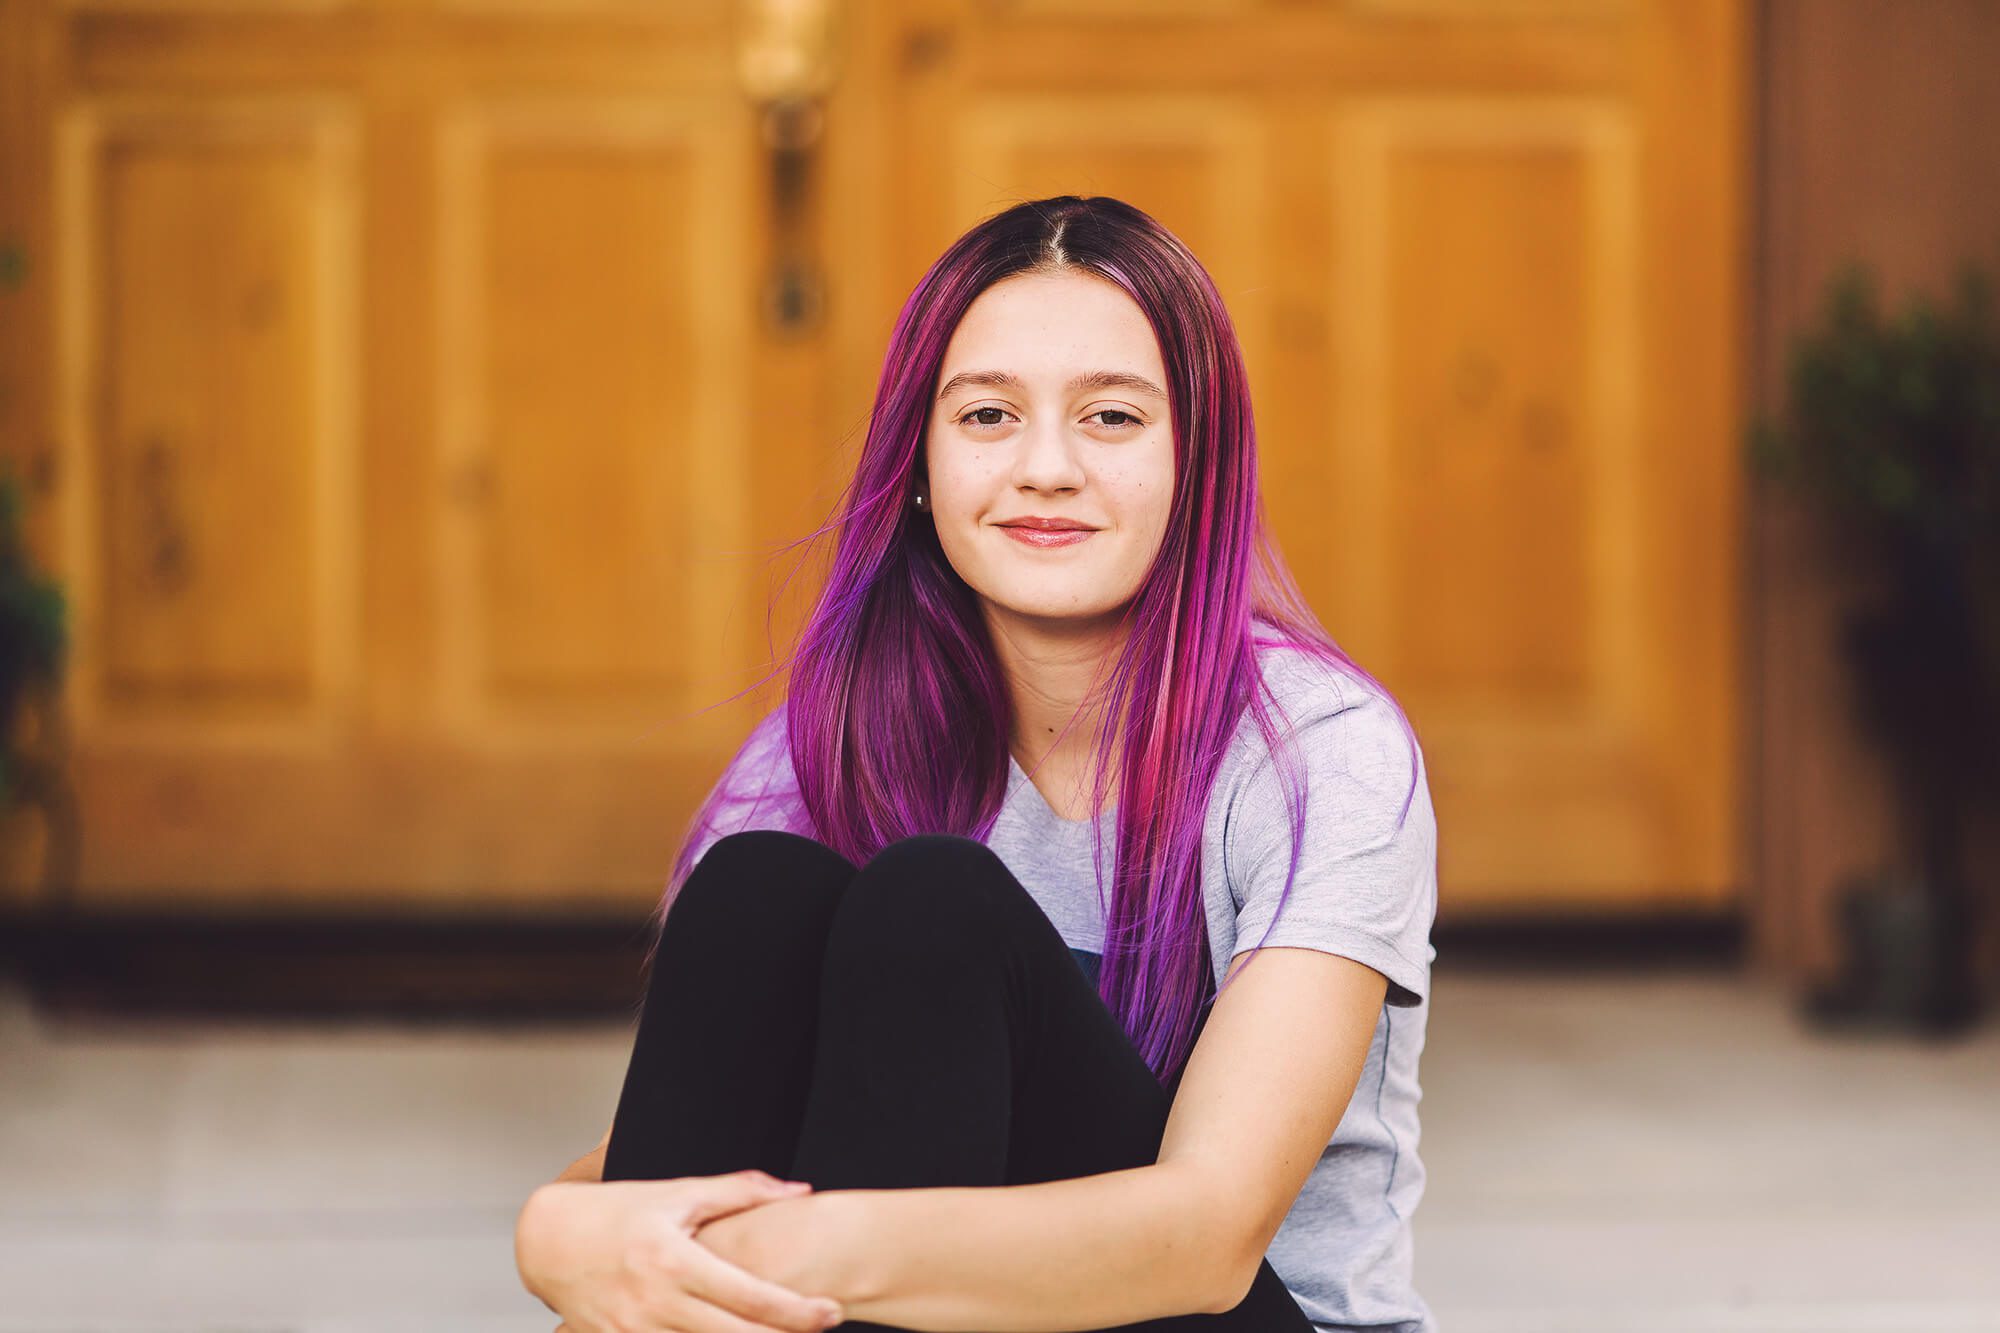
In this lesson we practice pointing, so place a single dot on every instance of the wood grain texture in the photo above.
(478, 439)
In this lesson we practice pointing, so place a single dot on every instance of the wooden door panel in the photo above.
(1494, 547)
(594, 326)
(1476, 259)
(406, 467)
(205, 371)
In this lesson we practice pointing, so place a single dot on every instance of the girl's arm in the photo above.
(1091, 1252)
(1263, 1092)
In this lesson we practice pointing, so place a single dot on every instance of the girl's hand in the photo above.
(621, 1257)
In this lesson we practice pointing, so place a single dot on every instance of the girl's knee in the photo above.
(934, 881)
(742, 874)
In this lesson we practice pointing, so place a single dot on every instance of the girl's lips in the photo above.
(1039, 537)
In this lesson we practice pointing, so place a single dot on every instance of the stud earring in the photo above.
(918, 499)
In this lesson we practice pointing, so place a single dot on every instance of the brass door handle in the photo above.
(785, 62)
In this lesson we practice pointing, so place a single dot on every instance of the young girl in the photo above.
(952, 1021)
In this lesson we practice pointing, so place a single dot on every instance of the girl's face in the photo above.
(1051, 404)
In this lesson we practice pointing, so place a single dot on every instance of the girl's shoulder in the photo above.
(1302, 690)
(757, 789)
(761, 774)
(768, 745)
(1332, 728)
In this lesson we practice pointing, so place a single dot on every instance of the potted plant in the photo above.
(1890, 428)
(33, 643)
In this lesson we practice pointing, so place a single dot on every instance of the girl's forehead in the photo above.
(1051, 334)
(1055, 300)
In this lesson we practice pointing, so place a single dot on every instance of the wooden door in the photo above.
(1484, 260)
(409, 411)
(395, 437)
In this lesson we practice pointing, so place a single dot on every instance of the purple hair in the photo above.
(897, 715)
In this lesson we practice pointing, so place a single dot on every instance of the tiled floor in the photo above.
(1654, 1154)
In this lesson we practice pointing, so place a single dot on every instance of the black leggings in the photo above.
(917, 1022)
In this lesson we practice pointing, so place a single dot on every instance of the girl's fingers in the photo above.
(723, 1195)
(751, 1302)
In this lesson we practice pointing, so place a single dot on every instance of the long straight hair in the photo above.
(897, 716)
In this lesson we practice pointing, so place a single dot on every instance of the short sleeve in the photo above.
(1366, 885)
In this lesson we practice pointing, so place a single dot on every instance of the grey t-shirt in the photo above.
(1365, 889)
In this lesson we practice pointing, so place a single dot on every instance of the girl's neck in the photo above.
(1051, 672)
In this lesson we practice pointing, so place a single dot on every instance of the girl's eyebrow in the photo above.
(1089, 379)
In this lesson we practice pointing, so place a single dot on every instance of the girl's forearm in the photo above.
(1090, 1252)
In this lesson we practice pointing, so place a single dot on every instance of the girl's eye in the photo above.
(1128, 419)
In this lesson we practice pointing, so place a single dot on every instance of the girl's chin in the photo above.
(1042, 610)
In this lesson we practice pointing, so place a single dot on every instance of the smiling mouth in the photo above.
(1048, 536)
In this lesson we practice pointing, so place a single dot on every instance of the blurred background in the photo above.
(402, 401)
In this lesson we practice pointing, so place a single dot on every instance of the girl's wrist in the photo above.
(815, 1244)
(845, 1260)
